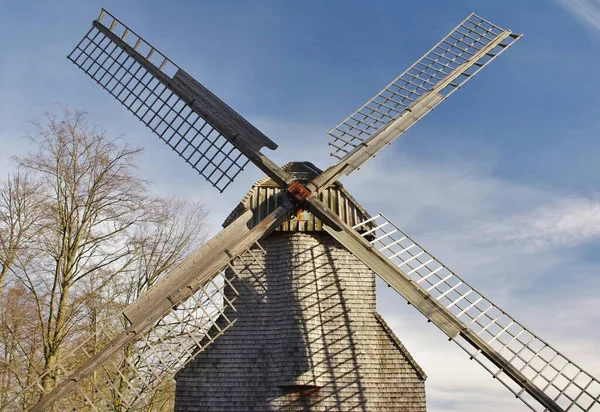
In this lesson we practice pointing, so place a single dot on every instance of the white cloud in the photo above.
(586, 11)
(566, 222)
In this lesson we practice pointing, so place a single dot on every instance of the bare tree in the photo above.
(91, 198)
(20, 220)
(80, 239)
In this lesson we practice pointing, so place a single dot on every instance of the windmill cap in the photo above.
(266, 195)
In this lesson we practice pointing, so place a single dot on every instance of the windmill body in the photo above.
(292, 325)
(313, 340)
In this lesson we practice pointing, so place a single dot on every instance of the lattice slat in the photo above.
(129, 380)
(153, 102)
(458, 48)
(567, 384)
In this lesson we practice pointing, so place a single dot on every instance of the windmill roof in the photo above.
(302, 171)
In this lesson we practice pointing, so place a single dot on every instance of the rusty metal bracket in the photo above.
(298, 193)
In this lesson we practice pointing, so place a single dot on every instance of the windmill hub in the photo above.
(266, 196)
(297, 193)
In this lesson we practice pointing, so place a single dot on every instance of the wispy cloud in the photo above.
(566, 222)
(586, 11)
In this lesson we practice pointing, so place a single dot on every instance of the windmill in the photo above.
(206, 297)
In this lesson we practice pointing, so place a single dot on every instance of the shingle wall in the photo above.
(313, 341)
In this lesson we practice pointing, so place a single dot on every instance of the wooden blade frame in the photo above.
(148, 311)
(467, 49)
(470, 43)
(486, 42)
(214, 139)
(535, 372)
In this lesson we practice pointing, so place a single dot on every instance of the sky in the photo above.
(500, 182)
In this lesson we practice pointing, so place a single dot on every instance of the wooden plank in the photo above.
(221, 116)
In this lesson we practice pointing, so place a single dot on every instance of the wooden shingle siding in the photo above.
(312, 342)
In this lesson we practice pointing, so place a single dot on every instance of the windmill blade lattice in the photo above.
(218, 142)
(196, 124)
(128, 379)
(467, 49)
(567, 384)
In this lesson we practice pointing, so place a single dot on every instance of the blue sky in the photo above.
(500, 182)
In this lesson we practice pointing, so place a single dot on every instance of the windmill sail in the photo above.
(128, 378)
(156, 327)
(218, 143)
(535, 372)
(210, 136)
(467, 49)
